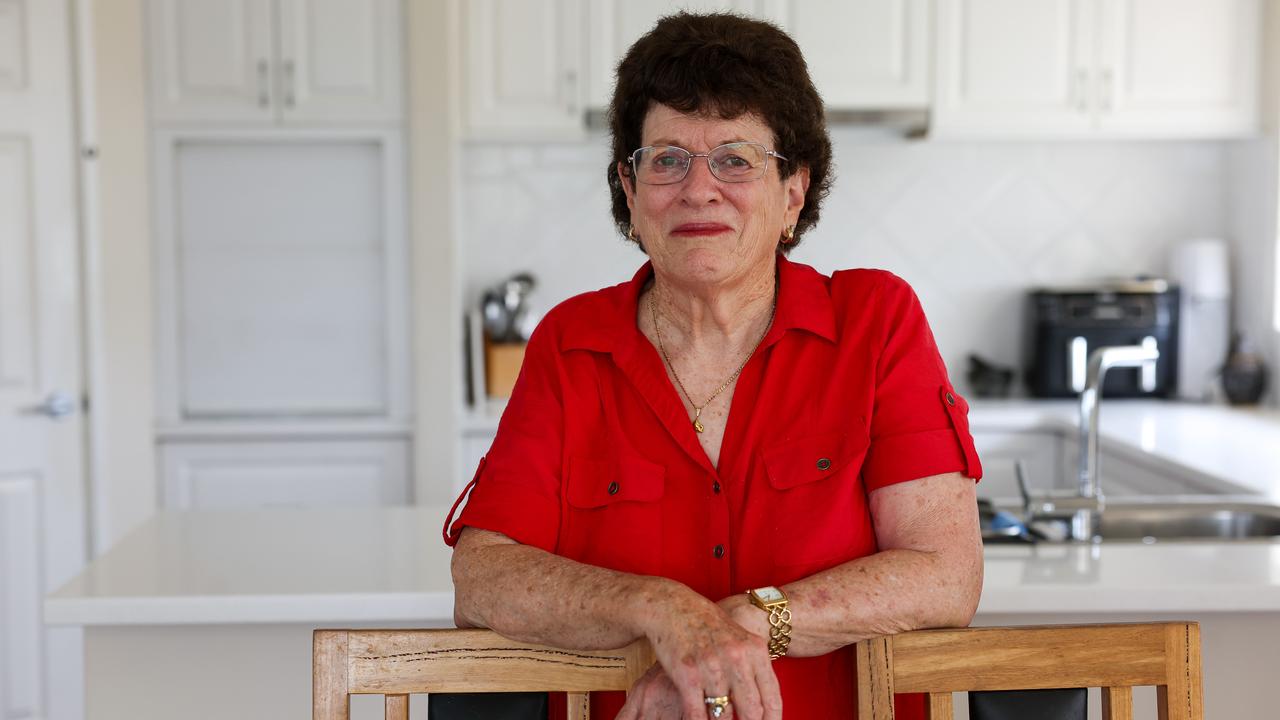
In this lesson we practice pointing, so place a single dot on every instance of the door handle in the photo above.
(263, 71)
(289, 96)
(56, 406)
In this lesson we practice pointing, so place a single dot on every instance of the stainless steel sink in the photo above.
(1157, 519)
(1213, 519)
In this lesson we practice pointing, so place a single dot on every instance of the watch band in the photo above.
(779, 621)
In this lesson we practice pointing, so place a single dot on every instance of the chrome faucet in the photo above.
(1084, 523)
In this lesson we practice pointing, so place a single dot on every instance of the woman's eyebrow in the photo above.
(675, 143)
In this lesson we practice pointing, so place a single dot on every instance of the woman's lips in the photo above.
(700, 229)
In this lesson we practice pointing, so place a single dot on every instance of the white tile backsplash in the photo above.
(971, 225)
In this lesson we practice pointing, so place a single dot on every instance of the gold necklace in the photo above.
(697, 409)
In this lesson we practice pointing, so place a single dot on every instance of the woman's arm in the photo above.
(528, 594)
(928, 572)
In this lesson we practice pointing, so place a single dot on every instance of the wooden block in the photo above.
(1117, 703)
(502, 363)
(329, 693)
(397, 707)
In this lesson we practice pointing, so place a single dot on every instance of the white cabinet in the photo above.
(275, 61)
(523, 68)
(315, 473)
(1178, 67)
(864, 54)
(212, 60)
(613, 25)
(1096, 68)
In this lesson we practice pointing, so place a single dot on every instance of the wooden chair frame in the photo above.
(1116, 658)
(398, 663)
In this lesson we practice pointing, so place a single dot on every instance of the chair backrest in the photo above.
(398, 663)
(1116, 658)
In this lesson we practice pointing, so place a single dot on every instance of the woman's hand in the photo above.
(703, 652)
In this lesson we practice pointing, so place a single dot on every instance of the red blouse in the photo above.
(596, 459)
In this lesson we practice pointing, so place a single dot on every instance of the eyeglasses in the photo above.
(734, 162)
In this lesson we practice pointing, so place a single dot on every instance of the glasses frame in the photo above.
(635, 173)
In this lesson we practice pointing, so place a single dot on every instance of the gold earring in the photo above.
(631, 233)
(788, 234)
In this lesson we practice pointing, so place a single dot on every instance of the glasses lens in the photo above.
(661, 165)
(738, 162)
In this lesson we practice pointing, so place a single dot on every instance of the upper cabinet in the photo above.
(613, 25)
(1092, 68)
(1178, 67)
(864, 54)
(523, 74)
(264, 62)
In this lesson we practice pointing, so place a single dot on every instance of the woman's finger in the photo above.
(770, 692)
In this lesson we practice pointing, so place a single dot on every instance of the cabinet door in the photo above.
(1178, 67)
(291, 474)
(211, 61)
(523, 68)
(864, 54)
(340, 61)
(615, 24)
(1013, 67)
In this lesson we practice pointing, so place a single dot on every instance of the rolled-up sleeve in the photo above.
(919, 425)
(516, 488)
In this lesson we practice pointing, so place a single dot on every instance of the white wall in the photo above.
(970, 225)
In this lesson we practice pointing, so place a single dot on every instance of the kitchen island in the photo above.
(209, 614)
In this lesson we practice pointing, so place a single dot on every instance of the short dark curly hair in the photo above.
(726, 66)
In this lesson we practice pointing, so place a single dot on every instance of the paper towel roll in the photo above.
(1201, 267)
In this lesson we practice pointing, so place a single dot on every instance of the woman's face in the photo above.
(702, 230)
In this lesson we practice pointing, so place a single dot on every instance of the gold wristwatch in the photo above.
(774, 601)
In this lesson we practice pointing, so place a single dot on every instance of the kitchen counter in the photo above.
(391, 564)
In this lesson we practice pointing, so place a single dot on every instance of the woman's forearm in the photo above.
(528, 594)
(889, 592)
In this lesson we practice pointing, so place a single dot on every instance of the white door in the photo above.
(524, 68)
(864, 54)
(212, 61)
(42, 493)
(340, 61)
(1181, 67)
(613, 25)
(1014, 67)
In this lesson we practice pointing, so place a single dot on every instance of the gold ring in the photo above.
(716, 705)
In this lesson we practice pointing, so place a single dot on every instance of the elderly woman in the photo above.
(748, 463)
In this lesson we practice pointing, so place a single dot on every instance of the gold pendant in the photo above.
(697, 425)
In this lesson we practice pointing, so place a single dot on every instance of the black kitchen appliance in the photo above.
(1067, 324)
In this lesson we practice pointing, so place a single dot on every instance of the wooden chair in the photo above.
(1115, 658)
(397, 663)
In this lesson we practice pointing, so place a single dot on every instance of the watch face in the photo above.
(769, 595)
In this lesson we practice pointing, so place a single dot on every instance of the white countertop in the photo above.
(1229, 449)
(381, 565)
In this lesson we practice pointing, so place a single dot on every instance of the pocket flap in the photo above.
(596, 483)
(804, 460)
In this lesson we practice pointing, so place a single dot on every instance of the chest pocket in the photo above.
(614, 515)
(818, 498)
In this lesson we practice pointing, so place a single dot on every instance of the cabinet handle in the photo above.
(1080, 91)
(571, 90)
(264, 97)
(1105, 91)
(289, 99)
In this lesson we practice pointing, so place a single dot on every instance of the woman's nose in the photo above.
(700, 185)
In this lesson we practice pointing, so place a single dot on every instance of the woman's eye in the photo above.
(735, 161)
(666, 162)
